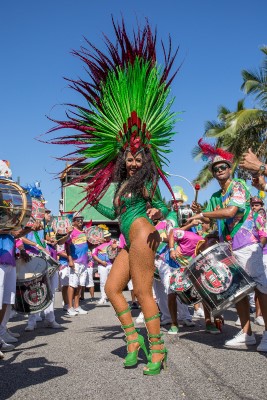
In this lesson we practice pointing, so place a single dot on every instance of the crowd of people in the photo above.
(179, 239)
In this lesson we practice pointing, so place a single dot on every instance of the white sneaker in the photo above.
(14, 334)
(237, 322)
(102, 301)
(259, 321)
(140, 319)
(71, 312)
(241, 339)
(6, 337)
(81, 311)
(53, 325)
(30, 327)
(1, 355)
(6, 346)
(188, 322)
(263, 344)
(199, 313)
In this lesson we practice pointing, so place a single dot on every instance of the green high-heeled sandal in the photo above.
(132, 357)
(154, 368)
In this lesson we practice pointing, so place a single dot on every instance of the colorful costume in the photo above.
(129, 108)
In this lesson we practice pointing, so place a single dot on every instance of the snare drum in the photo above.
(184, 213)
(33, 290)
(183, 287)
(218, 278)
(15, 205)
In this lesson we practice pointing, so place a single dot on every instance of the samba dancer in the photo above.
(126, 130)
(231, 207)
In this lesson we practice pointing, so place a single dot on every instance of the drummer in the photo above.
(34, 243)
(231, 207)
(100, 255)
(8, 284)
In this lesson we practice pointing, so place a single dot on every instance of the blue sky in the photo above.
(217, 40)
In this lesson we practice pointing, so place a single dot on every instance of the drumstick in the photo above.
(197, 187)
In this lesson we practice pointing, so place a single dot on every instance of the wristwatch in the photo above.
(262, 169)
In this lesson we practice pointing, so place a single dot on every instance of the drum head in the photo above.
(28, 270)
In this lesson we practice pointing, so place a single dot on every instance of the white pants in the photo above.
(251, 260)
(64, 276)
(130, 285)
(162, 289)
(77, 275)
(7, 284)
(89, 278)
(103, 275)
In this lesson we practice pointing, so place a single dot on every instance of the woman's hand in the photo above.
(154, 214)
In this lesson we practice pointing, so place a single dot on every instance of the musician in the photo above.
(35, 244)
(8, 283)
(231, 207)
(77, 251)
(100, 255)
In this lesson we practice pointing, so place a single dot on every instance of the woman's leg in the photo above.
(117, 280)
(144, 242)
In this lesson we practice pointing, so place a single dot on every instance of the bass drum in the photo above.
(15, 205)
(33, 288)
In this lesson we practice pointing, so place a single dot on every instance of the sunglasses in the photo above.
(222, 167)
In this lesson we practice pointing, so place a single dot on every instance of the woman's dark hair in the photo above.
(147, 173)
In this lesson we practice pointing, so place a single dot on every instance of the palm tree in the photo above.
(244, 128)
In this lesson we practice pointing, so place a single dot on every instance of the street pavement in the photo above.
(84, 361)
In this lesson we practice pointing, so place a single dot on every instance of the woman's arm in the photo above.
(108, 212)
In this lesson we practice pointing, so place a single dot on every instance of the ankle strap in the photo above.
(123, 312)
(153, 317)
(127, 326)
(158, 336)
(130, 333)
(155, 343)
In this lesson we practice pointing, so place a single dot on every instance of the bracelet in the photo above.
(265, 188)
(201, 215)
(171, 248)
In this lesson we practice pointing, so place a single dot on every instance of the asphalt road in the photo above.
(85, 361)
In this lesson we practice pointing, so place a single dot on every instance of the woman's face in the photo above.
(133, 163)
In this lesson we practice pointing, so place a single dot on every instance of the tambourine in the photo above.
(94, 234)
(112, 253)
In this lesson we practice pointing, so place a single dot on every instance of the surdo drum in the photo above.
(33, 290)
(15, 205)
(218, 278)
(183, 287)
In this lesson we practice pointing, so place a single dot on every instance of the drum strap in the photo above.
(38, 240)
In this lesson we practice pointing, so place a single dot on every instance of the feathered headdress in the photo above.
(128, 107)
(214, 154)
